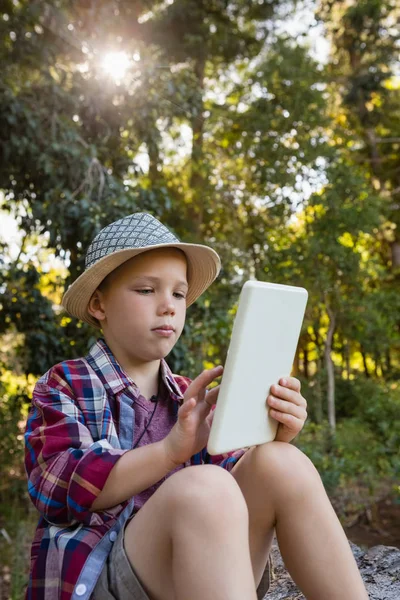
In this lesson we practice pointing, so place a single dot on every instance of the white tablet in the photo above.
(261, 351)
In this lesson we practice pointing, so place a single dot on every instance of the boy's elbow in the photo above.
(57, 510)
(54, 511)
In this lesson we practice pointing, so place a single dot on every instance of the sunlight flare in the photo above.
(116, 64)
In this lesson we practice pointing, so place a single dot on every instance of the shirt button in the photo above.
(113, 536)
(80, 589)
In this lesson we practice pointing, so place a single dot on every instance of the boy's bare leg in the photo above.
(284, 491)
(191, 539)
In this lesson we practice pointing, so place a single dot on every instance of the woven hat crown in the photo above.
(118, 242)
(135, 231)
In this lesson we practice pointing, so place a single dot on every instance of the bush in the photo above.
(374, 401)
(17, 515)
(355, 455)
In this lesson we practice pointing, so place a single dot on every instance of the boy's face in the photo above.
(138, 299)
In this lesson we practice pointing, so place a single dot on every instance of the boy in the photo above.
(131, 504)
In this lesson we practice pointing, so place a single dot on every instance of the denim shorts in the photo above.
(118, 580)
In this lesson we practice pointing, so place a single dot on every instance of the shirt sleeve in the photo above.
(227, 461)
(66, 468)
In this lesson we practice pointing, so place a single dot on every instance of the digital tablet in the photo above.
(261, 351)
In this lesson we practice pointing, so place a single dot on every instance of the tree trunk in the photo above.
(388, 363)
(395, 248)
(196, 178)
(346, 351)
(330, 372)
(341, 352)
(377, 362)
(364, 357)
(318, 398)
(306, 364)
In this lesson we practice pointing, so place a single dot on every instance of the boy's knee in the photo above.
(282, 464)
(204, 490)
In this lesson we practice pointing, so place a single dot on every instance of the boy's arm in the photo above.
(140, 468)
(134, 472)
(67, 470)
(65, 467)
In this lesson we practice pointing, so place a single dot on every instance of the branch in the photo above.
(393, 140)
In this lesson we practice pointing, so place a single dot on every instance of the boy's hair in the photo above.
(124, 239)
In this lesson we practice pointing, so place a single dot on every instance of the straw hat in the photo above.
(128, 237)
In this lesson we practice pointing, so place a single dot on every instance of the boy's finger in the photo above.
(288, 394)
(201, 395)
(292, 422)
(291, 382)
(212, 395)
(186, 408)
(202, 381)
(278, 405)
(209, 401)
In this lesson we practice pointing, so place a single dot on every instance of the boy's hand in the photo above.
(288, 407)
(190, 434)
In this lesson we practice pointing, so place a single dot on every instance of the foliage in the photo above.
(13, 408)
(286, 164)
(358, 456)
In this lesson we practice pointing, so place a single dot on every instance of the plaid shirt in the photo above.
(73, 440)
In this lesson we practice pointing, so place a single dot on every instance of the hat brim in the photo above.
(203, 267)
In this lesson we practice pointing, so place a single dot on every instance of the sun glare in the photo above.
(116, 64)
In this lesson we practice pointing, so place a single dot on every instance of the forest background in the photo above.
(268, 130)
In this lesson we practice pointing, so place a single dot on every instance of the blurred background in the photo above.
(269, 130)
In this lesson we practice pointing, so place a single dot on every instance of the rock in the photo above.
(379, 567)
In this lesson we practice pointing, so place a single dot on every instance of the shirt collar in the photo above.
(114, 377)
(169, 380)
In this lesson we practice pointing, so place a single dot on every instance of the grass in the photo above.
(18, 519)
